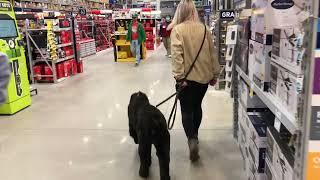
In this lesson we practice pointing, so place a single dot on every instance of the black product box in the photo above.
(258, 137)
(279, 156)
(244, 32)
(241, 56)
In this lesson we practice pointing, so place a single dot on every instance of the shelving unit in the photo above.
(58, 63)
(291, 147)
(287, 119)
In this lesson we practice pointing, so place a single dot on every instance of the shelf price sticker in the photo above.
(251, 93)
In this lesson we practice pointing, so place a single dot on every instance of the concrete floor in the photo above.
(78, 129)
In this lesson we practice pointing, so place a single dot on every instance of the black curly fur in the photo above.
(147, 126)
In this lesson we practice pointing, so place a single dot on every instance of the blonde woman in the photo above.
(186, 39)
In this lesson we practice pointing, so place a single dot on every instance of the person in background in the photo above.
(5, 72)
(136, 35)
(186, 39)
(165, 34)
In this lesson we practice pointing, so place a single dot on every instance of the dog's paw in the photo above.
(144, 171)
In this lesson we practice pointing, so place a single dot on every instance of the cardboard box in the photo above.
(260, 30)
(246, 100)
(257, 135)
(287, 87)
(279, 155)
(269, 172)
(259, 61)
(259, 4)
(253, 174)
(231, 37)
(286, 49)
(244, 32)
(230, 52)
(241, 56)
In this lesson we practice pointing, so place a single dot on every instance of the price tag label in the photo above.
(278, 114)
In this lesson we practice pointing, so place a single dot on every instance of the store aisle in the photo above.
(78, 129)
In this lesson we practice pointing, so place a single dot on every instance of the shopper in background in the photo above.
(4, 77)
(186, 38)
(165, 34)
(136, 35)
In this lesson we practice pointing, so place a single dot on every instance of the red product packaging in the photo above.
(37, 72)
(74, 66)
(48, 71)
(80, 66)
(66, 67)
(60, 71)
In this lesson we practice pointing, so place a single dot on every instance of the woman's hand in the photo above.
(213, 82)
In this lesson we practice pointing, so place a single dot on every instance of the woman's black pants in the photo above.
(190, 101)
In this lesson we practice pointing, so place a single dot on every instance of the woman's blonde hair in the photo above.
(186, 10)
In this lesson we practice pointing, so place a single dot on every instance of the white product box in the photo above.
(229, 65)
(287, 86)
(260, 30)
(230, 52)
(246, 100)
(286, 13)
(279, 156)
(269, 171)
(259, 4)
(286, 49)
(253, 174)
(259, 63)
(231, 37)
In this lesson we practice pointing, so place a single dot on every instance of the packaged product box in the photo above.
(241, 56)
(287, 87)
(259, 4)
(244, 32)
(269, 171)
(286, 13)
(246, 100)
(231, 37)
(260, 30)
(279, 156)
(252, 172)
(287, 49)
(230, 52)
(257, 135)
(259, 63)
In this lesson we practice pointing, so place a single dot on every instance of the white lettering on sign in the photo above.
(5, 5)
(227, 14)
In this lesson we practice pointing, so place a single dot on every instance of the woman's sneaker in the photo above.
(194, 149)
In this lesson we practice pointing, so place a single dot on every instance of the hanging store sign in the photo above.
(227, 14)
(5, 6)
(282, 4)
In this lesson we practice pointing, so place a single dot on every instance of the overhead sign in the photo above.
(5, 6)
(227, 14)
(282, 4)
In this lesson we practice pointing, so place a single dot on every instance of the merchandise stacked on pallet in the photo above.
(269, 54)
(51, 52)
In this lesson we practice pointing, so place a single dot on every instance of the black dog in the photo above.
(147, 126)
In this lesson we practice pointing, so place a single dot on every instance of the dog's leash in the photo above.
(173, 113)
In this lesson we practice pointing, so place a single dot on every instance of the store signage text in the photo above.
(230, 14)
(280, 4)
(5, 6)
